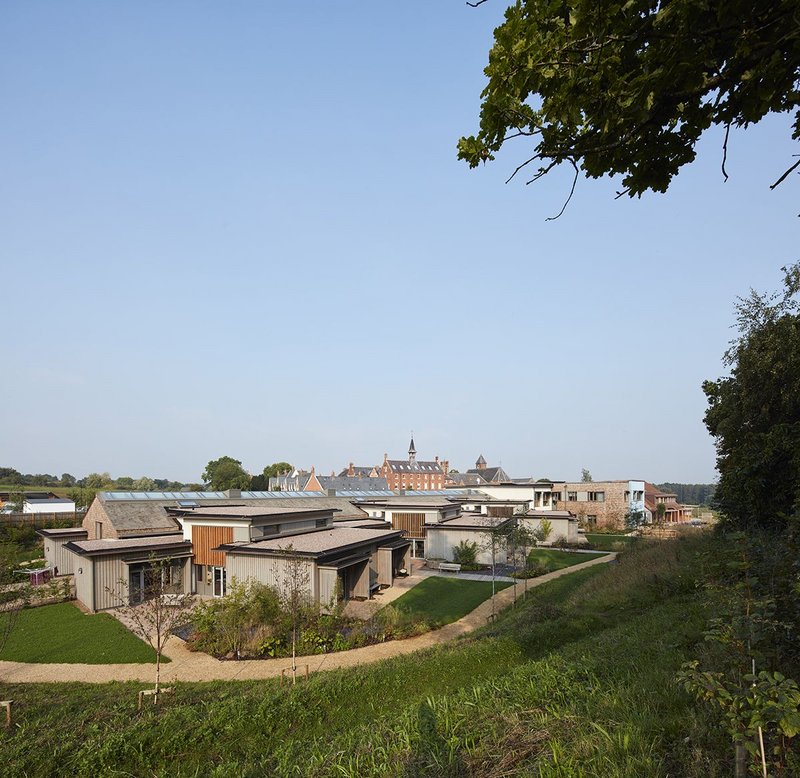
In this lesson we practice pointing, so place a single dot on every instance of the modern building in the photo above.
(48, 505)
(210, 538)
(601, 503)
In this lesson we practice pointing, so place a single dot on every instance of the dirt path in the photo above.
(188, 666)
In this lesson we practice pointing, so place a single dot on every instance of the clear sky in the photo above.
(240, 228)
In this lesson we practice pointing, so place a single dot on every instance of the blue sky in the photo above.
(241, 229)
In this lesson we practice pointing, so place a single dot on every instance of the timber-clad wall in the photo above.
(206, 538)
(501, 510)
(272, 571)
(410, 523)
(56, 556)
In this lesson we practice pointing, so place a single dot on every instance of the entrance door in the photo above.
(136, 585)
(219, 581)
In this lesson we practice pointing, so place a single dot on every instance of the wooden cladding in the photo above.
(206, 538)
(410, 523)
(501, 510)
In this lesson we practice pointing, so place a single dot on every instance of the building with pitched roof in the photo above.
(412, 473)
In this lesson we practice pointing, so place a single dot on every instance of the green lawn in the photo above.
(442, 600)
(61, 633)
(605, 541)
(555, 560)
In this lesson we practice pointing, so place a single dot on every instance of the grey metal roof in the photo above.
(352, 483)
(404, 466)
(115, 545)
(250, 511)
(53, 532)
(148, 516)
(319, 542)
(474, 521)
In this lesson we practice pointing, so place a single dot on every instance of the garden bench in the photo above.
(449, 567)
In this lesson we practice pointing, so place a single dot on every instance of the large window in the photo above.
(596, 496)
(572, 497)
(143, 580)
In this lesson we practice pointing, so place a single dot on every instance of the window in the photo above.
(322, 522)
(596, 496)
(572, 497)
(627, 496)
(98, 530)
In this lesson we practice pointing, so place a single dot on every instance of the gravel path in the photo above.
(186, 665)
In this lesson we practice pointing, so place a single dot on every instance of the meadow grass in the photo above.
(576, 680)
(606, 542)
(62, 633)
(443, 600)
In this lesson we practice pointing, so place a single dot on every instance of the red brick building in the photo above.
(412, 473)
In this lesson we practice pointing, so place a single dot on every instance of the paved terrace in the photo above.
(189, 666)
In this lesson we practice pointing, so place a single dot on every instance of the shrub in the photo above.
(465, 553)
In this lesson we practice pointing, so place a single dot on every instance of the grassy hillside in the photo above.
(578, 680)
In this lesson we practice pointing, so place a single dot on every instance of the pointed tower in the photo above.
(412, 451)
(481, 463)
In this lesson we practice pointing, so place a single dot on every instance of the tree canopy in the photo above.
(754, 413)
(226, 473)
(628, 87)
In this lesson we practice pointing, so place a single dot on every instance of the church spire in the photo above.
(412, 451)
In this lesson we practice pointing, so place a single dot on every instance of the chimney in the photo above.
(351, 471)
(233, 493)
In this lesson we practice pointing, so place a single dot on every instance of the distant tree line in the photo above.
(220, 474)
(12, 477)
(690, 494)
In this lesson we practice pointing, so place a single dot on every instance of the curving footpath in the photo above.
(186, 665)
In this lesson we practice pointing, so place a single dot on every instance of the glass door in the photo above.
(219, 581)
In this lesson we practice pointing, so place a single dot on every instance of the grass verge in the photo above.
(554, 559)
(62, 633)
(444, 600)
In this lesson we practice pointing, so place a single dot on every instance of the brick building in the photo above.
(412, 473)
(601, 503)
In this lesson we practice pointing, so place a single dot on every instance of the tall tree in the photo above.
(586, 476)
(628, 88)
(276, 468)
(754, 413)
(226, 473)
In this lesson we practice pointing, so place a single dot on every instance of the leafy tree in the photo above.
(144, 484)
(586, 476)
(124, 482)
(82, 497)
(634, 518)
(68, 480)
(628, 89)
(661, 511)
(226, 473)
(754, 413)
(8, 475)
(97, 481)
(275, 469)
